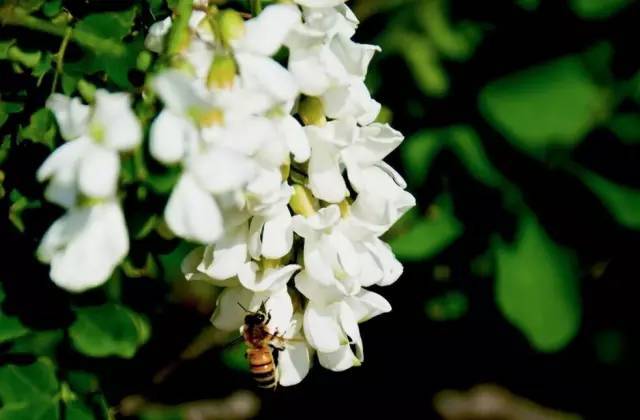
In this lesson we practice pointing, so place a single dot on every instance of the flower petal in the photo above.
(277, 236)
(91, 256)
(71, 114)
(120, 127)
(295, 138)
(192, 213)
(229, 316)
(98, 172)
(220, 170)
(265, 33)
(294, 361)
(169, 137)
(321, 328)
(225, 258)
(366, 305)
(339, 360)
(254, 278)
(325, 176)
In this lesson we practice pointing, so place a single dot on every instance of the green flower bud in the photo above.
(302, 201)
(230, 25)
(222, 72)
(311, 111)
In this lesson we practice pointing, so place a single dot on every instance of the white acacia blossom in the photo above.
(306, 193)
(282, 180)
(90, 239)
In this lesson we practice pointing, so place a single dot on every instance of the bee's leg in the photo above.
(268, 317)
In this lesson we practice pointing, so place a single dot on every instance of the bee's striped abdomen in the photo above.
(263, 367)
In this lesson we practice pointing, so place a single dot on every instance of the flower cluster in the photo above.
(282, 178)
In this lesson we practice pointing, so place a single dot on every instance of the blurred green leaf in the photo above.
(528, 4)
(8, 108)
(83, 382)
(108, 330)
(40, 343)
(597, 9)
(10, 326)
(111, 25)
(52, 8)
(421, 57)
(28, 391)
(430, 235)
(30, 5)
(537, 287)
(448, 307)
(20, 203)
(454, 42)
(41, 128)
(609, 346)
(77, 410)
(554, 104)
(626, 126)
(418, 151)
(464, 141)
(235, 357)
(623, 202)
(172, 262)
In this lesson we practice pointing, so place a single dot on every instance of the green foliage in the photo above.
(623, 202)
(41, 128)
(108, 330)
(551, 105)
(537, 286)
(10, 326)
(29, 391)
(448, 307)
(426, 237)
(597, 9)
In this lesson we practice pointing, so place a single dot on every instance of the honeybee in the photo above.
(260, 347)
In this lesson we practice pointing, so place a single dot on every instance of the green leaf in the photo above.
(626, 126)
(8, 108)
(554, 104)
(52, 8)
(111, 25)
(28, 384)
(464, 141)
(41, 128)
(597, 9)
(428, 236)
(537, 287)
(20, 203)
(418, 151)
(77, 410)
(108, 330)
(30, 5)
(528, 4)
(235, 357)
(40, 343)
(40, 410)
(421, 57)
(10, 326)
(448, 307)
(623, 202)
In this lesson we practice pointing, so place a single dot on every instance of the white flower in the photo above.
(89, 162)
(85, 245)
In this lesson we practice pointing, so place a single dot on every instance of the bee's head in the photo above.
(256, 318)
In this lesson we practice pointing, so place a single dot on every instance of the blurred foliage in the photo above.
(523, 158)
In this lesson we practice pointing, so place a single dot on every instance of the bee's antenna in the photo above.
(243, 308)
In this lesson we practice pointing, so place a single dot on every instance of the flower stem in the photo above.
(256, 7)
(60, 58)
(180, 27)
(18, 17)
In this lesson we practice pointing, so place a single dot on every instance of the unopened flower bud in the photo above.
(222, 72)
(302, 201)
(231, 25)
(311, 111)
